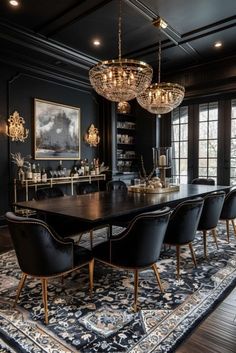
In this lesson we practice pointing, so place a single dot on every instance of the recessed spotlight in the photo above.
(14, 3)
(96, 42)
(218, 44)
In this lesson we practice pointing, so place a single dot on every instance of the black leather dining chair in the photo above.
(116, 185)
(138, 247)
(228, 212)
(203, 181)
(46, 193)
(210, 215)
(63, 225)
(182, 227)
(42, 254)
(86, 188)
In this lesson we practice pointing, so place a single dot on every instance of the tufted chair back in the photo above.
(116, 185)
(183, 222)
(203, 181)
(47, 193)
(86, 188)
(229, 207)
(140, 244)
(212, 207)
(40, 252)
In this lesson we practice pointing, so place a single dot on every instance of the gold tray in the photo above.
(145, 190)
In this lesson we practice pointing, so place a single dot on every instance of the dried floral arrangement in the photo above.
(19, 160)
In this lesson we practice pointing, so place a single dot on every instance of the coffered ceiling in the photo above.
(66, 30)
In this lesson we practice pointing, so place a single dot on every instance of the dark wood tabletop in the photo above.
(105, 206)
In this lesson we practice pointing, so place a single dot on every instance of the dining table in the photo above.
(106, 206)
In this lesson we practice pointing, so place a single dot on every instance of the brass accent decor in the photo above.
(162, 97)
(92, 136)
(120, 79)
(15, 128)
(123, 107)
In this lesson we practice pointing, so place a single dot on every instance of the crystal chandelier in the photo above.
(120, 79)
(162, 97)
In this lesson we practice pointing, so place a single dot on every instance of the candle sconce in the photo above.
(162, 158)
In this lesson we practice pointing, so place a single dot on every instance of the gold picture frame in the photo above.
(57, 131)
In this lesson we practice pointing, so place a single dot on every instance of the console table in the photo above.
(27, 184)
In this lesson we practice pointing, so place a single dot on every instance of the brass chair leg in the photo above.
(155, 269)
(19, 288)
(79, 238)
(91, 269)
(234, 226)
(214, 234)
(91, 238)
(193, 254)
(178, 259)
(205, 243)
(135, 289)
(45, 299)
(227, 229)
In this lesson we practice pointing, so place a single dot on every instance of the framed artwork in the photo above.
(56, 131)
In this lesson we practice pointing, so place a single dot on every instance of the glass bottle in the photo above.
(38, 172)
(34, 173)
(44, 177)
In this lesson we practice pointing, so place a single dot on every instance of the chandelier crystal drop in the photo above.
(162, 97)
(120, 79)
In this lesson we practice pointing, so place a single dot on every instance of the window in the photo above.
(208, 140)
(233, 144)
(179, 141)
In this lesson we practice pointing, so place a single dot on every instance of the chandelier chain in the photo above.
(119, 30)
(159, 61)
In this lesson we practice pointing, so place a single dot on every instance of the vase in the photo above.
(21, 174)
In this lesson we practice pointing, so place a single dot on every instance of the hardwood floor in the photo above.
(216, 334)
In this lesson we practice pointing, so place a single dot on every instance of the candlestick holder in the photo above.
(162, 157)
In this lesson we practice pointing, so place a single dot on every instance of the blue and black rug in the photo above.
(106, 323)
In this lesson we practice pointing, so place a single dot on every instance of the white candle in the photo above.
(162, 160)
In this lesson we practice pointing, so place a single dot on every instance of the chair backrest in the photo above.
(38, 249)
(212, 207)
(86, 188)
(140, 244)
(203, 181)
(184, 221)
(229, 207)
(48, 193)
(116, 185)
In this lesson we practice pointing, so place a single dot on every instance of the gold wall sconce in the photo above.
(15, 128)
(92, 136)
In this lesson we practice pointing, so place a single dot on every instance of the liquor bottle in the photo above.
(44, 177)
(38, 171)
(86, 166)
(29, 174)
(60, 169)
(97, 169)
(34, 173)
(74, 172)
(82, 168)
(92, 169)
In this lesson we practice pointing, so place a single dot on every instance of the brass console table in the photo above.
(26, 184)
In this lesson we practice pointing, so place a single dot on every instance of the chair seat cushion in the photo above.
(81, 255)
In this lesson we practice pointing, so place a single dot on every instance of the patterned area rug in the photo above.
(106, 323)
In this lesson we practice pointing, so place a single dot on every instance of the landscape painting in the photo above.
(56, 131)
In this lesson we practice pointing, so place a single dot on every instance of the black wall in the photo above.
(17, 92)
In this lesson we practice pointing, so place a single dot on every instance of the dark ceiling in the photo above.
(193, 27)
